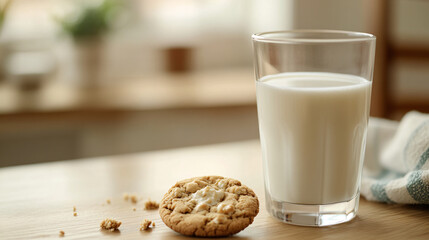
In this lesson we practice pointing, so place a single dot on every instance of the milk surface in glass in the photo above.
(313, 130)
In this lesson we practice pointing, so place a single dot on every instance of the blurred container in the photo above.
(28, 63)
(178, 59)
(88, 59)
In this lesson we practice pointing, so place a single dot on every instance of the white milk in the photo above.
(313, 131)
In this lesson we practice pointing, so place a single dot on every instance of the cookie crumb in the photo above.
(134, 209)
(153, 224)
(62, 233)
(108, 201)
(126, 196)
(110, 224)
(75, 214)
(145, 225)
(74, 208)
(134, 198)
(151, 205)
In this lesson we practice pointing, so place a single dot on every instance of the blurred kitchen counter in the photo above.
(175, 90)
(62, 120)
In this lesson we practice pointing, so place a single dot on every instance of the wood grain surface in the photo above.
(36, 201)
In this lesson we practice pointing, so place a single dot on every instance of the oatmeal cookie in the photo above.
(209, 206)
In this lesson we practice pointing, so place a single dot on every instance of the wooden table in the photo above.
(36, 201)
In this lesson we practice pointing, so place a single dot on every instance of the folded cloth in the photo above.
(396, 168)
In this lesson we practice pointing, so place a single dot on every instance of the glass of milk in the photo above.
(313, 91)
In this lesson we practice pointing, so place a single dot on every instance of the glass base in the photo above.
(313, 215)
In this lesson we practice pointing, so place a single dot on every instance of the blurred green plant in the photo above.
(90, 21)
(3, 11)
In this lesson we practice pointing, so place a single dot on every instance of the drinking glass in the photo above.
(313, 91)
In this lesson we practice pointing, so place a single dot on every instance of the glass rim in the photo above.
(330, 36)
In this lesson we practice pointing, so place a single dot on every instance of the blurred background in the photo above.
(104, 77)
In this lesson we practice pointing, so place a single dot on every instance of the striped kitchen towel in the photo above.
(396, 168)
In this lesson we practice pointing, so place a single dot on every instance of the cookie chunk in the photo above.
(145, 225)
(210, 206)
(151, 205)
(110, 224)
